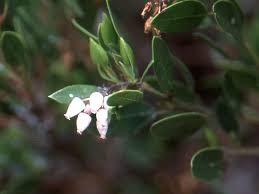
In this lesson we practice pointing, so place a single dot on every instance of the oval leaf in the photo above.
(66, 94)
(124, 97)
(179, 126)
(133, 110)
(13, 48)
(126, 127)
(98, 54)
(229, 17)
(127, 57)
(101, 59)
(164, 63)
(207, 164)
(180, 17)
(108, 33)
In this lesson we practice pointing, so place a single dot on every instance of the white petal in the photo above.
(102, 115)
(87, 109)
(82, 122)
(102, 128)
(75, 107)
(96, 101)
(105, 105)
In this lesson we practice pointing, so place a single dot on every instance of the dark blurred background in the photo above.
(40, 151)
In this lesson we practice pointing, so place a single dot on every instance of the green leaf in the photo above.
(142, 153)
(127, 126)
(130, 119)
(101, 59)
(229, 17)
(13, 48)
(164, 62)
(108, 33)
(66, 94)
(211, 137)
(243, 76)
(226, 116)
(231, 92)
(98, 54)
(124, 97)
(178, 126)
(112, 17)
(127, 57)
(133, 110)
(207, 164)
(180, 17)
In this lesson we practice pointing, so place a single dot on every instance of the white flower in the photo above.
(75, 107)
(82, 122)
(95, 101)
(102, 115)
(96, 104)
(102, 128)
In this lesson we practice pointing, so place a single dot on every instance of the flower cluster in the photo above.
(95, 104)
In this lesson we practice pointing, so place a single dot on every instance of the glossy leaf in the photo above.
(178, 126)
(180, 17)
(108, 33)
(124, 97)
(207, 164)
(66, 94)
(13, 48)
(229, 17)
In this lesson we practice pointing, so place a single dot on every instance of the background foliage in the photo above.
(189, 122)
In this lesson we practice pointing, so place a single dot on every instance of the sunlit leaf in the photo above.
(66, 94)
(180, 17)
(124, 97)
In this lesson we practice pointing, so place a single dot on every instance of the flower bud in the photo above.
(102, 115)
(87, 109)
(75, 107)
(82, 122)
(102, 128)
(95, 101)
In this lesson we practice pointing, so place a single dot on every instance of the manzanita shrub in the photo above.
(121, 106)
